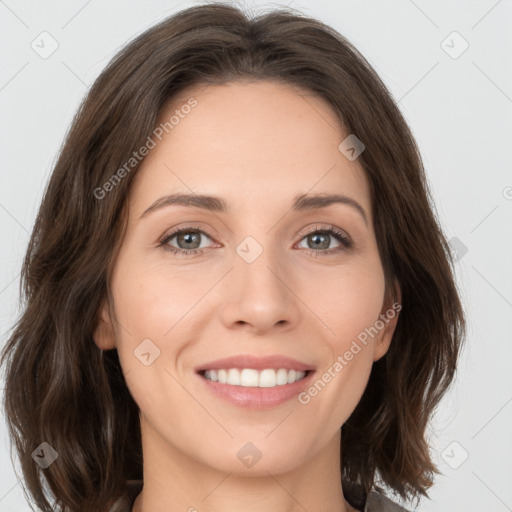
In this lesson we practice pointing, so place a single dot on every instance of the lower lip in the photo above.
(256, 397)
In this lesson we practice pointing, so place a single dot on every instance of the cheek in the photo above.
(159, 313)
(343, 376)
(151, 301)
(348, 301)
(349, 304)
(151, 306)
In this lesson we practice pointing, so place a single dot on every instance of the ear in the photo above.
(104, 335)
(388, 319)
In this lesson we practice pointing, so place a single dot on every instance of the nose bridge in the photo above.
(257, 262)
(259, 292)
(259, 248)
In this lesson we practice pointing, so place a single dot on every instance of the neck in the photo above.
(176, 482)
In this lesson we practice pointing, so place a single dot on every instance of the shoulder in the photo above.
(378, 502)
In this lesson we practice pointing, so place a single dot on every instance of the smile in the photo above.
(250, 377)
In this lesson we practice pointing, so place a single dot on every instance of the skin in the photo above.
(257, 145)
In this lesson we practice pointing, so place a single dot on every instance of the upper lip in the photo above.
(257, 363)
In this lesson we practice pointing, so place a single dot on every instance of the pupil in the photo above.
(324, 245)
(189, 238)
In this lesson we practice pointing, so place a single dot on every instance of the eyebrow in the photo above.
(216, 204)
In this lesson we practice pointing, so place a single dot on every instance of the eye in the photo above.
(320, 238)
(188, 240)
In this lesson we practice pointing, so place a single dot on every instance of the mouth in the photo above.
(255, 382)
(251, 377)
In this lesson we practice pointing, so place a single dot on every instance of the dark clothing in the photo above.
(377, 502)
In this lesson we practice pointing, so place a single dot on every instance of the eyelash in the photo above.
(340, 236)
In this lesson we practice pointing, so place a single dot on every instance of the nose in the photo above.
(259, 293)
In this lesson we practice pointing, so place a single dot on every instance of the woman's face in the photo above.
(263, 278)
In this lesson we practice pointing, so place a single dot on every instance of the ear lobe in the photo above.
(388, 319)
(104, 335)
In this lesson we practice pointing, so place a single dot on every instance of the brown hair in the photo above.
(60, 388)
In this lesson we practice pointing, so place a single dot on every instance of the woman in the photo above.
(237, 293)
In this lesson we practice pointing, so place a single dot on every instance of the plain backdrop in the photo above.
(447, 64)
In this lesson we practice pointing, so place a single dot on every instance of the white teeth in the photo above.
(233, 377)
(282, 377)
(250, 377)
(267, 379)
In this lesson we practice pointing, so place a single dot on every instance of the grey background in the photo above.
(459, 109)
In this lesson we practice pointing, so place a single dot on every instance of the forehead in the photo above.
(257, 142)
